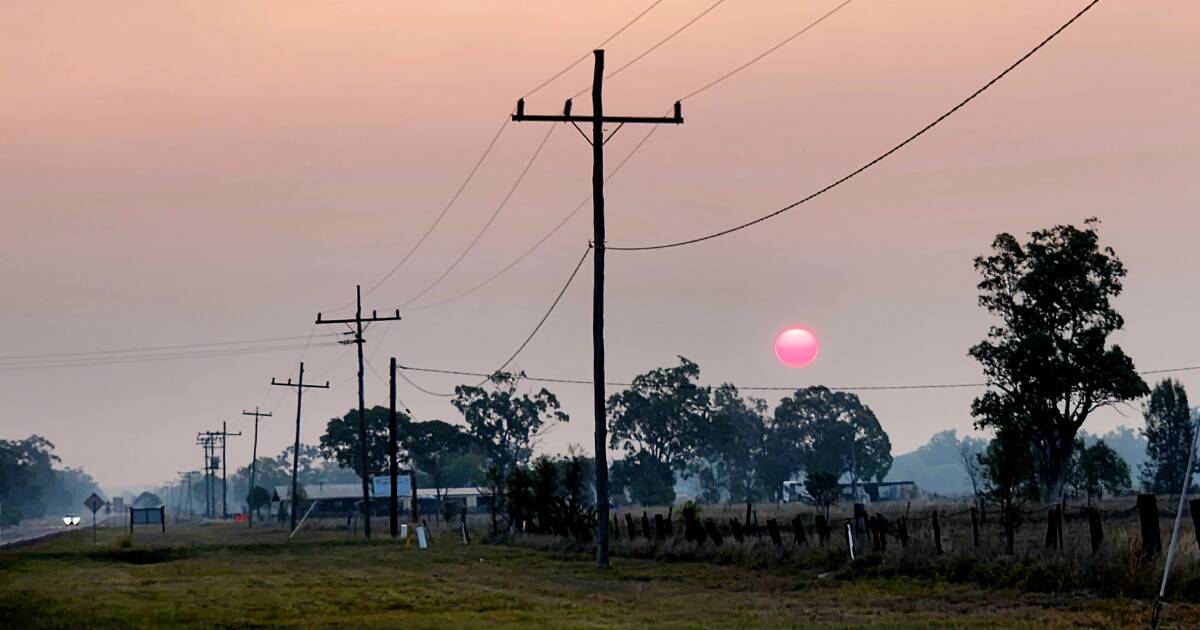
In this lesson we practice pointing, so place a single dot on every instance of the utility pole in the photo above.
(225, 469)
(296, 449)
(358, 322)
(207, 440)
(393, 447)
(253, 463)
(185, 478)
(597, 120)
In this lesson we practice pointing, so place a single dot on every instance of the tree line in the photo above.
(32, 486)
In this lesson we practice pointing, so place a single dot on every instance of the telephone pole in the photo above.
(393, 472)
(253, 464)
(296, 449)
(185, 477)
(358, 322)
(225, 469)
(208, 441)
(597, 120)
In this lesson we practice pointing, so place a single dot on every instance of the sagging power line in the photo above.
(873, 162)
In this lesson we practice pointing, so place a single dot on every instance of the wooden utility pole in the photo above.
(253, 464)
(296, 449)
(225, 469)
(597, 120)
(208, 441)
(393, 453)
(358, 322)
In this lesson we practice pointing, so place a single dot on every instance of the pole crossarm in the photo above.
(567, 116)
(289, 383)
(373, 318)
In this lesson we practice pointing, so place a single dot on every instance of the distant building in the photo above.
(869, 491)
(340, 499)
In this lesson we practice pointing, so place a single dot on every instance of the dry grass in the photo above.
(221, 576)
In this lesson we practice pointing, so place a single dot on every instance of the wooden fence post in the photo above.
(629, 526)
(902, 531)
(823, 532)
(798, 536)
(646, 531)
(1194, 507)
(860, 518)
(1095, 531)
(660, 527)
(710, 526)
(773, 531)
(881, 526)
(937, 535)
(1147, 507)
(736, 527)
(975, 526)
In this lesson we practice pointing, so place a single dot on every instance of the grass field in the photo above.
(221, 576)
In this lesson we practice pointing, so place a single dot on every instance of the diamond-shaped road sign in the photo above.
(94, 503)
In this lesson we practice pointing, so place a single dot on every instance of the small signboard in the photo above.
(94, 503)
(382, 486)
(147, 516)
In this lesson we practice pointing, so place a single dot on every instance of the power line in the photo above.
(873, 162)
(520, 348)
(578, 381)
(479, 162)
(441, 215)
(102, 361)
(636, 148)
(655, 46)
(768, 51)
(503, 202)
(207, 344)
(542, 240)
(587, 55)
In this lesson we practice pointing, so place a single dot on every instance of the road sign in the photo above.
(94, 503)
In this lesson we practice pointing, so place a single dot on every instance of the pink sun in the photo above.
(796, 347)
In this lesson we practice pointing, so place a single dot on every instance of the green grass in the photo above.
(220, 576)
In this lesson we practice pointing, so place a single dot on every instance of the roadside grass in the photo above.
(222, 576)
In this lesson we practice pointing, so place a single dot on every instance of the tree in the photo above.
(1102, 470)
(660, 417)
(1006, 467)
(837, 432)
(147, 500)
(503, 423)
(432, 447)
(1048, 363)
(732, 447)
(643, 479)
(518, 493)
(1169, 436)
(259, 498)
(969, 452)
(823, 487)
(340, 441)
(26, 478)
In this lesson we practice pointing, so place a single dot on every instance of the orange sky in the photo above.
(179, 172)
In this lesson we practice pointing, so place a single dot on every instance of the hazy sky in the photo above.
(187, 172)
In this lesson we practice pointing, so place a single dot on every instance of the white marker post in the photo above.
(850, 540)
